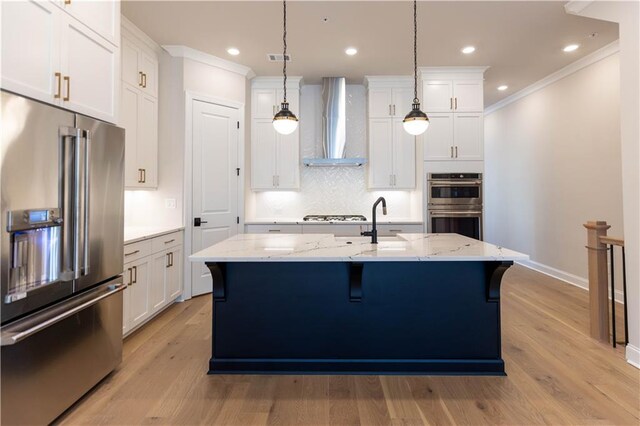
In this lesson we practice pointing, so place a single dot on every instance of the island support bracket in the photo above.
(496, 272)
(217, 275)
(355, 281)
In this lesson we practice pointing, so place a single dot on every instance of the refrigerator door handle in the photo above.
(87, 182)
(13, 334)
(77, 201)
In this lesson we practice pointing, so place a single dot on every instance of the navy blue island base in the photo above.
(403, 318)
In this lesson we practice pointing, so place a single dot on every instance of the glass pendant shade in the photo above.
(285, 122)
(416, 122)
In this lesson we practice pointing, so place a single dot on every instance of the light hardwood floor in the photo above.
(556, 375)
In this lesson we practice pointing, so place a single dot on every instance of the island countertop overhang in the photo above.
(328, 248)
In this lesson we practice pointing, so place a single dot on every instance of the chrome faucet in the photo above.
(374, 229)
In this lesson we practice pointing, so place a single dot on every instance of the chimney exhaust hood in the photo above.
(334, 127)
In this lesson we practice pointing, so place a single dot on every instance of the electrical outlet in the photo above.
(170, 203)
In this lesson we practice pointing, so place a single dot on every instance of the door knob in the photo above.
(197, 221)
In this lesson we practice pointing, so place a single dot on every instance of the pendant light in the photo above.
(416, 122)
(285, 122)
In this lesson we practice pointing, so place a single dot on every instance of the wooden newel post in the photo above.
(598, 280)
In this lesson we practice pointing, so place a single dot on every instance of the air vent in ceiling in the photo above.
(277, 57)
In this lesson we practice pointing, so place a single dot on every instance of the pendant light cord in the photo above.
(415, 52)
(284, 56)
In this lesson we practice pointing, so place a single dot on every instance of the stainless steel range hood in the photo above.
(334, 127)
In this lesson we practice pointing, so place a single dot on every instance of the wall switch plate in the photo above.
(170, 203)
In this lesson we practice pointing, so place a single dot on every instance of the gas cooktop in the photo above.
(334, 218)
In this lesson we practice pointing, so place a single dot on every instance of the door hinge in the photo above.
(238, 219)
(238, 124)
(238, 171)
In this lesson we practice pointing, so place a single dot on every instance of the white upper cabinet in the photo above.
(139, 108)
(62, 59)
(275, 158)
(392, 151)
(30, 60)
(102, 16)
(453, 100)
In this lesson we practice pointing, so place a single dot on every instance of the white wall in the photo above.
(552, 162)
(332, 190)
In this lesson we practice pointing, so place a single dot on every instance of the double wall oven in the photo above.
(454, 203)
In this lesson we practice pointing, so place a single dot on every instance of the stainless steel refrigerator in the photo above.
(62, 200)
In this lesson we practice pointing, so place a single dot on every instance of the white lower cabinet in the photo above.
(153, 276)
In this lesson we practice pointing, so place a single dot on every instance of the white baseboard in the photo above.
(633, 356)
(566, 277)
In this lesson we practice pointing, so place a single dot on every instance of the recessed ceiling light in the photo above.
(351, 51)
(503, 87)
(233, 51)
(468, 49)
(571, 47)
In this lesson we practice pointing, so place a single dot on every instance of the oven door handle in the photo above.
(455, 213)
(453, 183)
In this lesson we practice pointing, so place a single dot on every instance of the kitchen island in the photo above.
(317, 304)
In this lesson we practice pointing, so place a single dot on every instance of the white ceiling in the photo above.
(521, 41)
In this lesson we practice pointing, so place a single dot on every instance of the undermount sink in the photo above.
(364, 240)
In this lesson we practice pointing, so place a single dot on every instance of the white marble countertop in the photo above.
(294, 221)
(133, 234)
(328, 248)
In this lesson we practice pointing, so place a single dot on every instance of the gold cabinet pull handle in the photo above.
(59, 85)
(140, 78)
(67, 81)
(132, 253)
(67, 1)
(456, 103)
(456, 152)
(451, 152)
(450, 103)
(135, 274)
(144, 80)
(130, 276)
(144, 175)
(168, 260)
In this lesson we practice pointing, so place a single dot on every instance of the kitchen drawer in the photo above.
(392, 229)
(274, 229)
(164, 242)
(135, 251)
(351, 230)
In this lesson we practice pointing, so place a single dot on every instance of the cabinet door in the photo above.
(147, 146)
(404, 157)
(101, 16)
(131, 72)
(140, 306)
(288, 161)
(402, 101)
(90, 63)
(438, 139)
(468, 136)
(158, 283)
(263, 154)
(174, 274)
(467, 96)
(149, 68)
(31, 49)
(380, 153)
(380, 102)
(129, 121)
(126, 301)
(437, 96)
(264, 103)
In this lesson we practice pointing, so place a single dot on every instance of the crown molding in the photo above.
(574, 7)
(388, 80)
(271, 82)
(207, 59)
(131, 28)
(573, 67)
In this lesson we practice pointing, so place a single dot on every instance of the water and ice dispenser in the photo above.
(36, 250)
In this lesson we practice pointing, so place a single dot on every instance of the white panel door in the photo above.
(149, 68)
(404, 157)
(438, 139)
(31, 49)
(174, 274)
(380, 102)
(263, 103)
(288, 161)
(90, 63)
(263, 154)
(380, 153)
(147, 146)
(468, 136)
(468, 96)
(157, 290)
(438, 96)
(130, 67)
(402, 101)
(215, 183)
(129, 101)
